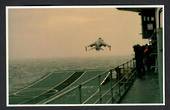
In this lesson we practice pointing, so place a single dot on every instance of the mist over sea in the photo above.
(26, 71)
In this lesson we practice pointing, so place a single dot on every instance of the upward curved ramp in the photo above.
(46, 87)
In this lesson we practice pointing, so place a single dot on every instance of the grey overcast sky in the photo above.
(64, 32)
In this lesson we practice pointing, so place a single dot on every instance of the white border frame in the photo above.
(106, 6)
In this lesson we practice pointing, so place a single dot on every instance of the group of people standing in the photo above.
(144, 59)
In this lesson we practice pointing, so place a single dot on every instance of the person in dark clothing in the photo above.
(139, 60)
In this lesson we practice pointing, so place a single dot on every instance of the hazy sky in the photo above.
(49, 33)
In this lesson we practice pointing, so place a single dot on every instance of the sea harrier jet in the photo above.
(98, 45)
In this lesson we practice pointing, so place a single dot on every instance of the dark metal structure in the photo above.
(152, 29)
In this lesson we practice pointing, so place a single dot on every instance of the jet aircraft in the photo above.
(97, 45)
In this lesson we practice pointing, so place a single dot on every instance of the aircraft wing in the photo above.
(109, 46)
(91, 45)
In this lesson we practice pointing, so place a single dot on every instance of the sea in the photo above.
(23, 72)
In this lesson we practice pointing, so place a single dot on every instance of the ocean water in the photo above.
(26, 71)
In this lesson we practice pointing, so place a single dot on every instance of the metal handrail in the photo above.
(118, 82)
(98, 90)
(113, 86)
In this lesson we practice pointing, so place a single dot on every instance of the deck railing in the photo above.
(105, 88)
